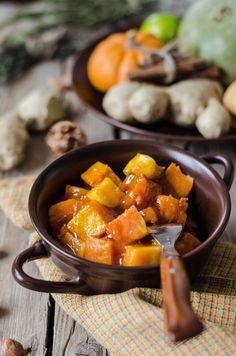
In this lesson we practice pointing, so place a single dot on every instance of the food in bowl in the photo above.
(107, 219)
(85, 276)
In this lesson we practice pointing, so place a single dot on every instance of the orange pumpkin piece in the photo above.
(112, 59)
(190, 224)
(142, 255)
(75, 192)
(180, 182)
(99, 250)
(143, 164)
(72, 241)
(97, 172)
(107, 193)
(90, 220)
(149, 215)
(127, 227)
(186, 243)
(172, 210)
(183, 206)
(139, 191)
(61, 213)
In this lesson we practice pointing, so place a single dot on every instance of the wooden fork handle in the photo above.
(181, 321)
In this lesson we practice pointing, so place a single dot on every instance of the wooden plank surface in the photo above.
(23, 314)
(31, 317)
(71, 339)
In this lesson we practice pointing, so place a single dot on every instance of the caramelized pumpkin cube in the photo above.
(190, 225)
(127, 227)
(139, 191)
(107, 193)
(183, 206)
(143, 164)
(61, 213)
(72, 241)
(180, 182)
(142, 255)
(172, 210)
(75, 192)
(149, 215)
(90, 220)
(97, 172)
(186, 243)
(99, 250)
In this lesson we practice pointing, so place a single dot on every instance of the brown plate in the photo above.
(93, 100)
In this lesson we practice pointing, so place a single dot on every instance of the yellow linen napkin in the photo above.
(131, 323)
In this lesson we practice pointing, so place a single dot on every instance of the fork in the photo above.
(181, 321)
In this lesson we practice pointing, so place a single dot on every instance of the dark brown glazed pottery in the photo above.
(92, 99)
(209, 201)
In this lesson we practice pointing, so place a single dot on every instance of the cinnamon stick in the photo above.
(186, 67)
(210, 72)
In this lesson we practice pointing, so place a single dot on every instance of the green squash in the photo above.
(208, 29)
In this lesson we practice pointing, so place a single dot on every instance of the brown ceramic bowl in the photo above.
(210, 202)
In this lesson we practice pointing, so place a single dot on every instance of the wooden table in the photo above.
(30, 317)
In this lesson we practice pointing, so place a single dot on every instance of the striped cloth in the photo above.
(131, 323)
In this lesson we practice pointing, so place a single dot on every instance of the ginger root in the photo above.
(192, 102)
(41, 108)
(189, 98)
(148, 104)
(214, 121)
(116, 101)
(13, 138)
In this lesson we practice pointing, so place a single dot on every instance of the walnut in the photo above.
(65, 136)
(12, 347)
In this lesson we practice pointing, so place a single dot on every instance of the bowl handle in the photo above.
(224, 161)
(37, 250)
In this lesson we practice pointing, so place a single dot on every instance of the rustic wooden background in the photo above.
(30, 317)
